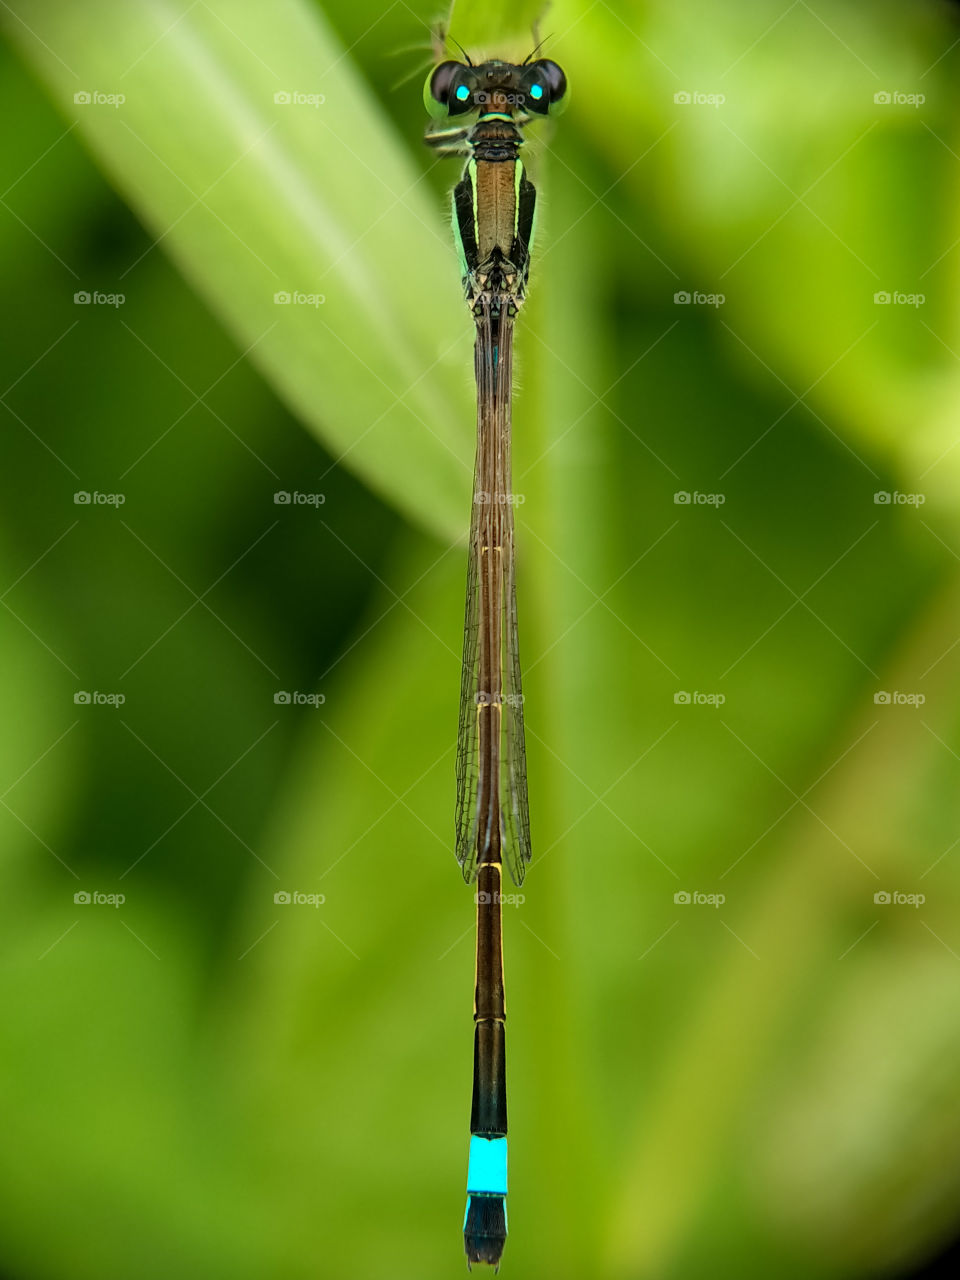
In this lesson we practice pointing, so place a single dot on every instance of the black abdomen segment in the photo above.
(488, 1114)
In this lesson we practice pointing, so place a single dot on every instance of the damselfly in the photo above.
(493, 219)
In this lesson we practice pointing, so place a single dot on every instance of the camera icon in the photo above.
(281, 299)
(82, 898)
(282, 98)
(882, 699)
(682, 98)
(481, 498)
(82, 299)
(281, 498)
(682, 298)
(281, 898)
(282, 699)
(682, 698)
(82, 98)
(882, 299)
(682, 899)
(81, 698)
(881, 898)
(81, 499)
(882, 499)
(682, 498)
(883, 98)
(482, 895)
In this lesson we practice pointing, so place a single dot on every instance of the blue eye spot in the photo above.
(463, 93)
(536, 92)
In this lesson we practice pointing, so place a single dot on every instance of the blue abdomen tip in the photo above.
(487, 1171)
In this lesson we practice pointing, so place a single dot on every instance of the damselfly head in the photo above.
(456, 88)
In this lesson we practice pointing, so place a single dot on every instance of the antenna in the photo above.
(466, 55)
(536, 48)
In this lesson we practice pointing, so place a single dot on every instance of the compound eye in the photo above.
(546, 86)
(441, 80)
(448, 90)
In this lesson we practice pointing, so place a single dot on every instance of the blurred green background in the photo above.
(753, 694)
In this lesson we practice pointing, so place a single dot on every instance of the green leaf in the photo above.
(249, 146)
(759, 152)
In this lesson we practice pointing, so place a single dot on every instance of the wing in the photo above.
(493, 820)
(515, 807)
(468, 733)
